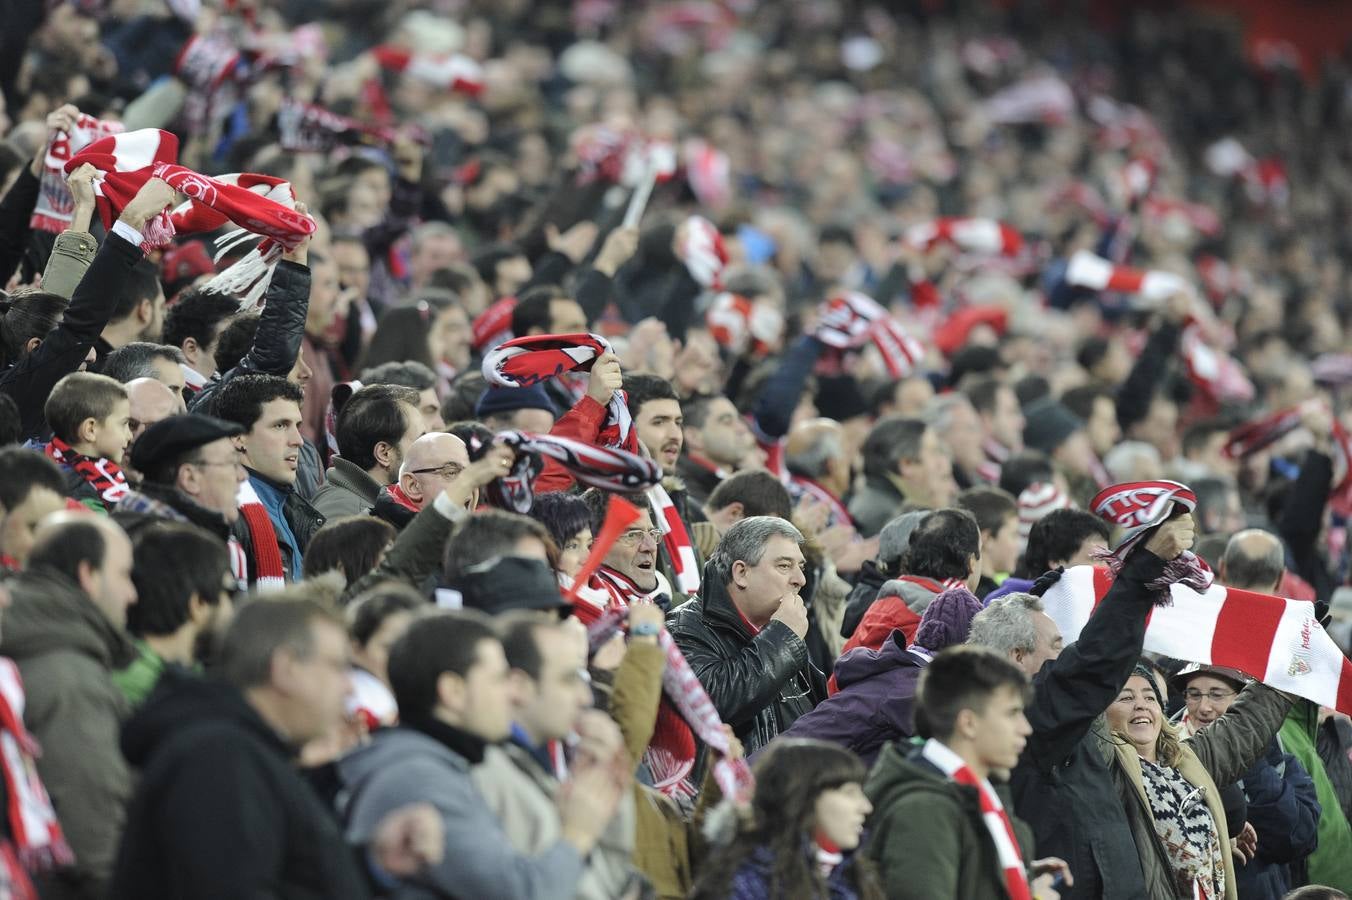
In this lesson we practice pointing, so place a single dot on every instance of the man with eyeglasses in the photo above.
(1283, 806)
(630, 571)
(433, 463)
(191, 473)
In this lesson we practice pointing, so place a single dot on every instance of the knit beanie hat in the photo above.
(842, 396)
(1047, 424)
(1036, 501)
(947, 619)
(510, 399)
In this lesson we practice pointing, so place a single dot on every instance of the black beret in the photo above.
(168, 439)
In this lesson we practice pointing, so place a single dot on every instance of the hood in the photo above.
(392, 748)
(862, 663)
(917, 597)
(51, 613)
(900, 766)
(181, 701)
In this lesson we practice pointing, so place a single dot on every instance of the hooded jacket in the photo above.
(1331, 862)
(220, 812)
(928, 836)
(403, 765)
(759, 682)
(875, 702)
(67, 650)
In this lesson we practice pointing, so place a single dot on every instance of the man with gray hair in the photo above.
(1017, 626)
(955, 420)
(142, 359)
(744, 635)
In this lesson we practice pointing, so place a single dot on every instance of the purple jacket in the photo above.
(875, 701)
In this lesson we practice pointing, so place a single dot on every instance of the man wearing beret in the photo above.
(192, 473)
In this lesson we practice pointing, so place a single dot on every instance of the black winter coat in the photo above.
(759, 683)
(1063, 787)
(220, 812)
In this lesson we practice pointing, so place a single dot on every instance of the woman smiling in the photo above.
(1169, 784)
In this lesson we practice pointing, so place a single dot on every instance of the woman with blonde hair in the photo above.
(1169, 783)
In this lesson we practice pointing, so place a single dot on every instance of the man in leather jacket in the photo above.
(743, 636)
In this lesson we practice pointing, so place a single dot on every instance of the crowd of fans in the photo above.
(623, 450)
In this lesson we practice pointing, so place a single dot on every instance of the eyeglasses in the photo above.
(634, 535)
(1215, 695)
(447, 471)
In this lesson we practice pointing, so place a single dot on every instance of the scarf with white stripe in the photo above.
(32, 821)
(849, 320)
(992, 813)
(269, 570)
(1277, 641)
(987, 236)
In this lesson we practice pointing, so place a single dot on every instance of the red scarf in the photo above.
(849, 320)
(987, 236)
(992, 813)
(269, 571)
(37, 834)
(1140, 507)
(528, 361)
(55, 206)
(103, 475)
(125, 162)
(676, 539)
(396, 493)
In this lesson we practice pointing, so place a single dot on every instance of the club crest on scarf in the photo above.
(1139, 507)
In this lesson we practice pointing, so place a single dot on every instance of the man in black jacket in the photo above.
(743, 636)
(220, 811)
(1062, 786)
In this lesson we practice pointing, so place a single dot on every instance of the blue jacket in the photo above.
(752, 879)
(1284, 811)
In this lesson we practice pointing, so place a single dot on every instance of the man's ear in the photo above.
(739, 569)
(190, 349)
(383, 452)
(145, 311)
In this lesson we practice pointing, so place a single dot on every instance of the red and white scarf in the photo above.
(527, 361)
(608, 468)
(993, 814)
(55, 205)
(1258, 434)
(702, 250)
(127, 161)
(987, 236)
(1140, 507)
(742, 325)
(309, 128)
(1212, 371)
(1088, 270)
(1274, 639)
(248, 278)
(453, 72)
(849, 320)
(103, 475)
(676, 540)
(38, 837)
(269, 570)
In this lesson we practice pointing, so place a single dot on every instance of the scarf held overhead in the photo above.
(55, 205)
(1277, 641)
(127, 161)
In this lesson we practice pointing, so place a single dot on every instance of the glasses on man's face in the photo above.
(634, 535)
(448, 471)
(1215, 695)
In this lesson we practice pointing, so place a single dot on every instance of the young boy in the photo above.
(940, 827)
(997, 515)
(90, 418)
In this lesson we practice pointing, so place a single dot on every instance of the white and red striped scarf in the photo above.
(1139, 507)
(988, 236)
(454, 72)
(608, 468)
(1277, 641)
(702, 250)
(1088, 270)
(676, 540)
(270, 571)
(127, 161)
(527, 361)
(55, 205)
(740, 324)
(1256, 434)
(993, 814)
(850, 319)
(1212, 371)
(37, 834)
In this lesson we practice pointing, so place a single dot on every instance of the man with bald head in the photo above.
(151, 401)
(433, 463)
(1254, 561)
(65, 631)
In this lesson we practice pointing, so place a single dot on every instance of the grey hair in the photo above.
(746, 541)
(811, 461)
(1005, 626)
(137, 360)
(939, 414)
(1133, 461)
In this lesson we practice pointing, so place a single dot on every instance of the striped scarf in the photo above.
(269, 571)
(103, 475)
(676, 539)
(992, 813)
(38, 840)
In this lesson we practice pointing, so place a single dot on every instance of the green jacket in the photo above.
(1331, 862)
(137, 680)
(927, 835)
